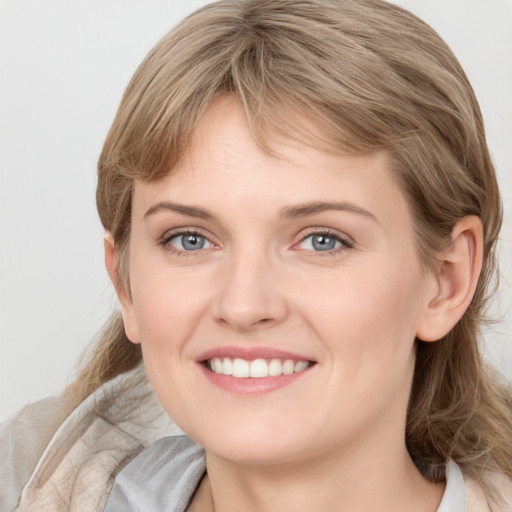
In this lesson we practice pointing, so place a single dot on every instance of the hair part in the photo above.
(371, 76)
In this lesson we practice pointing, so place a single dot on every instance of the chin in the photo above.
(249, 444)
(253, 455)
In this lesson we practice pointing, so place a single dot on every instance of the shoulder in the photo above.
(476, 500)
(79, 461)
(172, 468)
(23, 440)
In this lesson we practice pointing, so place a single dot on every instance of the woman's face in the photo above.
(242, 262)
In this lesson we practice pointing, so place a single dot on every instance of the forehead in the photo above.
(224, 166)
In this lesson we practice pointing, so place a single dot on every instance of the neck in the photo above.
(353, 483)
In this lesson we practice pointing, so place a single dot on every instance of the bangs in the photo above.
(296, 77)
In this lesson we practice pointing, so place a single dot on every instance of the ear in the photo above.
(125, 300)
(455, 282)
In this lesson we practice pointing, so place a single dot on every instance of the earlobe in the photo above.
(455, 281)
(125, 300)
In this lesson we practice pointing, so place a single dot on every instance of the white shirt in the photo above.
(164, 477)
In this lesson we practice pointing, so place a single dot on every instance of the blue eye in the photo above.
(189, 242)
(323, 242)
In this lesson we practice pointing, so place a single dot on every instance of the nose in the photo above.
(250, 297)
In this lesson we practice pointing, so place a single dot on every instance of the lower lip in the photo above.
(252, 386)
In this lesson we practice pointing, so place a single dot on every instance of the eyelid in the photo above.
(177, 232)
(346, 241)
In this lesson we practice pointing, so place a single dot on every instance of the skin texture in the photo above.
(332, 439)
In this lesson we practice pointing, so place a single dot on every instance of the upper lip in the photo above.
(250, 353)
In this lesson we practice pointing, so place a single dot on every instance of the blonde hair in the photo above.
(372, 77)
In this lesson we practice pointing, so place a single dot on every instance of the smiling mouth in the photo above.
(257, 368)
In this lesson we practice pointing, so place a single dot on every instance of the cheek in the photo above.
(367, 327)
(167, 306)
(168, 309)
(368, 316)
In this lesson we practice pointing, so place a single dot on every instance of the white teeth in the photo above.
(257, 369)
(227, 366)
(216, 365)
(275, 368)
(300, 365)
(288, 367)
(240, 368)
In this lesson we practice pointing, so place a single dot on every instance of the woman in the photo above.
(301, 215)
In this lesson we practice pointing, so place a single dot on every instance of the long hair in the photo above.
(372, 77)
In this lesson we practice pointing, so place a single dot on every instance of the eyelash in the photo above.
(345, 241)
(166, 238)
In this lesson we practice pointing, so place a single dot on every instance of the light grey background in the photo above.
(63, 67)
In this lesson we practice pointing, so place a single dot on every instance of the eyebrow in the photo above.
(311, 208)
(289, 212)
(190, 211)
